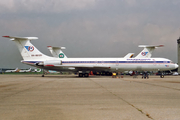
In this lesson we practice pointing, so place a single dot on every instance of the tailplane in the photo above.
(28, 51)
(147, 51)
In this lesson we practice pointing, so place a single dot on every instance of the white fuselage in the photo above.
(108, 64)
(25, 70)
(16, 70)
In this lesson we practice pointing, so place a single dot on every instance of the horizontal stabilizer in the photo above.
(62, 48)
(147, 51)
(151, 46)
(21, 38)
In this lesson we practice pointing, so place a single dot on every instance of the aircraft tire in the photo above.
(86, 75)
(80, 75)
(162, 76)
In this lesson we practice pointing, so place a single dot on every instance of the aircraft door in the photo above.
(154, 62)
(117, 62)
(102, 62)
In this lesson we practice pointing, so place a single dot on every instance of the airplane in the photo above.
(57, 52)
(32, 56)
(25, 70)
(16, 70)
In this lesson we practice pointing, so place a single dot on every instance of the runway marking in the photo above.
(141, 111)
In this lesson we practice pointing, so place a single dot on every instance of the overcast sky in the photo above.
(90, 28)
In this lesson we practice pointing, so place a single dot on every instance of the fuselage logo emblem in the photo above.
(61, 55)
(144, 53)
(29, 48)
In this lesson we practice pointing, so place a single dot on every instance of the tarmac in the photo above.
(68, 97)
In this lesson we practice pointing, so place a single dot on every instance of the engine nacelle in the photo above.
(50, 63)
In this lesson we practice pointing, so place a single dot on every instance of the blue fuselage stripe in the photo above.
(115, 61)
(103, 62)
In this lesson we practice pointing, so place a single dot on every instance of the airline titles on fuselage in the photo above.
(35, 55)
(139, 59)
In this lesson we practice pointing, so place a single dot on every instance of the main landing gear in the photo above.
(83, 73)
(145, 75)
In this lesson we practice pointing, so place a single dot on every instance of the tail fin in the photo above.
(57, 52)
(147, 51)
(29, 69)
(27, 50)
(129, 55)
(16, 69)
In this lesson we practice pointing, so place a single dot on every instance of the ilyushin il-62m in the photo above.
(32, 56)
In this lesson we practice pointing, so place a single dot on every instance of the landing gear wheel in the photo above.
(162, 76)
(80, 75)
(86, 75)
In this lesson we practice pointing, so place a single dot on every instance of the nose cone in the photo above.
(176, 66)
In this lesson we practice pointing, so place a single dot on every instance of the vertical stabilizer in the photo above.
(129, 55)
(57, 52)
(27, 50)
(147, 51)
